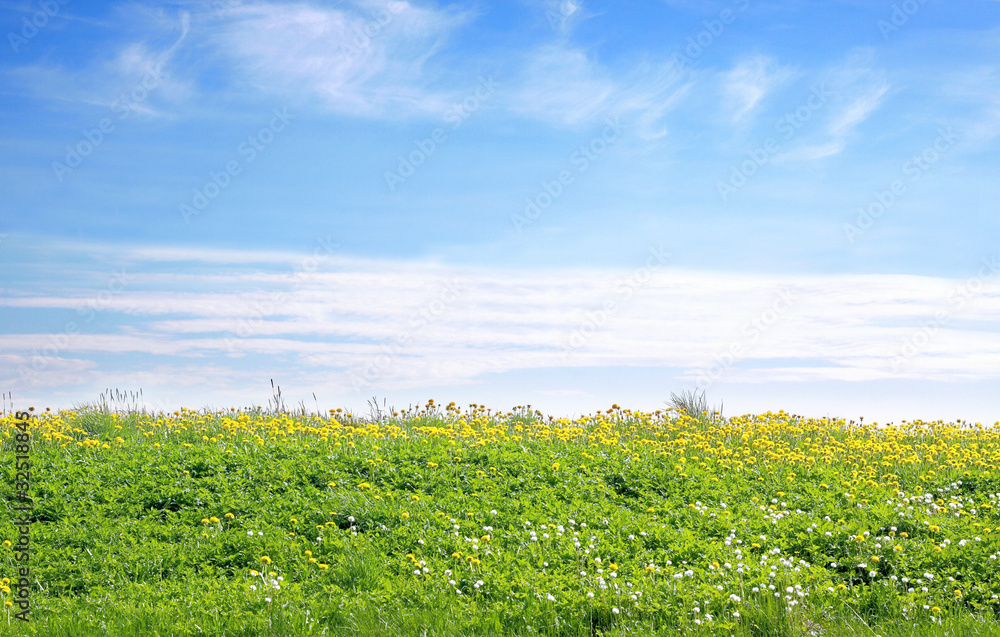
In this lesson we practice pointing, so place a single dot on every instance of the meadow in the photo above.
(448, 520)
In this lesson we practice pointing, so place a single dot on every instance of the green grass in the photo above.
(667, 512)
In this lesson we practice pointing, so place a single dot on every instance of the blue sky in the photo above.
(790, 205)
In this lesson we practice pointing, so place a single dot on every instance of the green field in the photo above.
(463, 521)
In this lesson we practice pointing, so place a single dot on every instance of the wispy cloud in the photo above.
(363, 58)
(343, 317)
(134, 74)
(858, 89)
(749, 82)
(562, 85)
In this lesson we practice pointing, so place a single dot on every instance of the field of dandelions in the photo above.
(448, 520)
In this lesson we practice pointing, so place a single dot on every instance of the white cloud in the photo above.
(561, 84)
(363, 58)
(403, 322)
(857, 89)
(857, 111)
(136, 75)
(749, 82)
